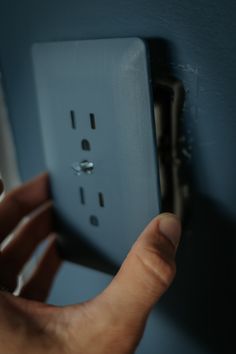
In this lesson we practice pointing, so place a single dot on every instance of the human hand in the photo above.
(112, 322)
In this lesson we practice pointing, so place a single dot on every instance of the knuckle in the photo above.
(168, 272)
(156, 266)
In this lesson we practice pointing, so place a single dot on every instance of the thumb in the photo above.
(147, 271)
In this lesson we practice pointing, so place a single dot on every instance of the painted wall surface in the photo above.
(196, 39)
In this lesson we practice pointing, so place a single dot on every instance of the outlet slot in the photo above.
(92, 121)
(101, 200)
(82, 196)
(85, 144)
(73, 119)
(94, 220)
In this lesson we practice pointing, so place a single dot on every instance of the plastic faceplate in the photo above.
(108, 78)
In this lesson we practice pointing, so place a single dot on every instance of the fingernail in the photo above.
(170, 227)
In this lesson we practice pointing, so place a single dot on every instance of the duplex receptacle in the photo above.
(86, 166)
(97, 117)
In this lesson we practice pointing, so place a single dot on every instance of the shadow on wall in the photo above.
(202, 298)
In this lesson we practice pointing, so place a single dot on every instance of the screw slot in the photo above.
(84, 166)
(87, 167)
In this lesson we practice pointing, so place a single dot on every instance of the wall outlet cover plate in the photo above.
(99, 92)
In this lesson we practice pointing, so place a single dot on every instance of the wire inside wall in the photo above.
(8, 161)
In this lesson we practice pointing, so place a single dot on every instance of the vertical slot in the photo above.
(72, 119)
(101, 199)
(92, 121)
(82, 197)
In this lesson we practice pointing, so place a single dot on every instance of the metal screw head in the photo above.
(84, 166)
(87, 167)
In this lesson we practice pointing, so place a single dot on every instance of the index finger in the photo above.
(21, 201)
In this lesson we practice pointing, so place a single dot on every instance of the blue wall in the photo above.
(200, 37)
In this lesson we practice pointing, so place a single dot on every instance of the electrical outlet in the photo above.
(97, 118)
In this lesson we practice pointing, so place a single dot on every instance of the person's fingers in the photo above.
(1, 186)
(146, 273)
(121, 310)
(18, 251)
(38, 286)
(21, 201)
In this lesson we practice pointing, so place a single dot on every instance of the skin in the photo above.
(114, 321)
